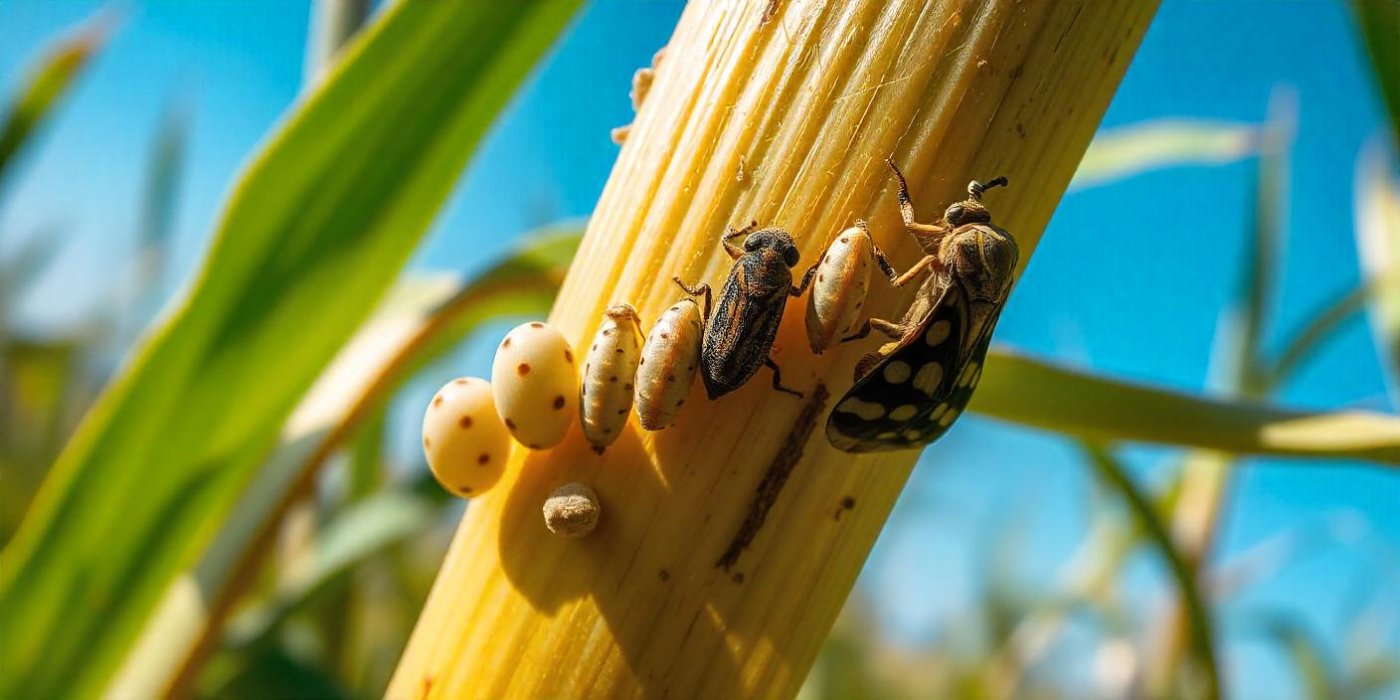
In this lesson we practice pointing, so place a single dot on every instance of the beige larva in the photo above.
(535, 382)
(605, 394)
(464, 440)
(838, 292)
(669, 361)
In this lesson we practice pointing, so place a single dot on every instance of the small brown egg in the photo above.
(572, 510)
(535, 381)
(463, 438)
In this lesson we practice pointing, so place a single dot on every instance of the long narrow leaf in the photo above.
(1130, 150)
(49, 82)
(408, 332)
(314, 233)
(1378, 241)
(1022, 390)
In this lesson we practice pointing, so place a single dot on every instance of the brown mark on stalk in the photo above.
(847, 503)
(776, 477)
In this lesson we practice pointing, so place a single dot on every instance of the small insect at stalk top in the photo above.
(739, 335)
(909, 392)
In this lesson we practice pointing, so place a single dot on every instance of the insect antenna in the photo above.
(975, 188)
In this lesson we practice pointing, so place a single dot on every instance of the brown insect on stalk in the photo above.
(739, 335)
(911, 390)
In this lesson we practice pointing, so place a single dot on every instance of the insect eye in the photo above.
(954, 214)
(791, 256)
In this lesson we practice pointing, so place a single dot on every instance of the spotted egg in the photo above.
(609, 372)
(535, 381)
(669, 361)
(838, 291)
(464, 440)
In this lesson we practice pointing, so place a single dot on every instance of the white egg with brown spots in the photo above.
(609, 373)
(465, 442)
(669, 361)
(535, 381)
(839, 288)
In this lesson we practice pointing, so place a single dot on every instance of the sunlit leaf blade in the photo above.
(1378, 240)
(1183, 572)
(1380, 24)
(47, 84)
(1023, 390)
(313, 234)
(1259, 283)
(421, 318)
(1130, 150)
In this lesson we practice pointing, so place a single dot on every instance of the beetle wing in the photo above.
(741, 332)
(916, 392)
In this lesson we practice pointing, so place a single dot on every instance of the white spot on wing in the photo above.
(938, 412)
(937, 333)
(865, 410)
(948, 418)
(897, 372)
(887, 436)
(965, 379)
(929, 378)
(904, 412)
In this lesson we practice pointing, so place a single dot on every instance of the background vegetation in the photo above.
(229, 515)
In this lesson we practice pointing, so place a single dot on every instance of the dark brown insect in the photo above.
(909, 392)
(739, 336)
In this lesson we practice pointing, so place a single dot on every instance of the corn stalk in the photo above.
(782, 112)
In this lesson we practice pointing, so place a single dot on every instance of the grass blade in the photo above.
(1378, 240)
(1183, 573)
(1128, 151)
(49, 82)
(1022, 390)
(313, 234)
(414, 326)
(1380, 24)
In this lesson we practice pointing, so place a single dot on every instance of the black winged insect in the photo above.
(739, 334)
(911, 390)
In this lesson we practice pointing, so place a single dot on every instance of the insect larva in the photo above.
(609, 370)
(842, 280)
(909, 392)
(670, 359)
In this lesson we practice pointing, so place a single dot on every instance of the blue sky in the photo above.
(1130, 279)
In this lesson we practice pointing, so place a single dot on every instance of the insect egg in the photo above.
(535, 381)
(572, 510)
(463, 439)
(838, 292)
(609, 371)
(669, 361)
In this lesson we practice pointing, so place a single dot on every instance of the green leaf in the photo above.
(1380, 24)
(313, 235)
(1022, 390)
(1130, 150)
(420, 319)
(48, 83)
(1183, 572)
(1318, 673)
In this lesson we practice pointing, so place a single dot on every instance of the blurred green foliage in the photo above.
(310, 551)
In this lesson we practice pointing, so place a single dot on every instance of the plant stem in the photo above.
(812, 99)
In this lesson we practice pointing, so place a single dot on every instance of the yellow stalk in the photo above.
(810, 99)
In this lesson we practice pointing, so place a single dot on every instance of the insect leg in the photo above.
(806, 279)
(889, 328)
(699, 290)
(778, 379)
(733, 233)
(906, 207)
(918, 269)
(880, 258)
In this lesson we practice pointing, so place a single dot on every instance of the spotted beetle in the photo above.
(739, 336)
(909, 392)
